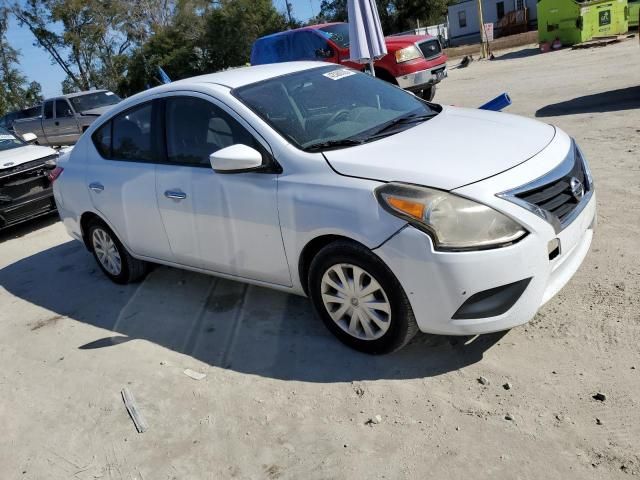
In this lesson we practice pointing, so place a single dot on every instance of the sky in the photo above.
(36, 64)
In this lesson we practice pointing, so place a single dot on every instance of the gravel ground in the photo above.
(282, 399)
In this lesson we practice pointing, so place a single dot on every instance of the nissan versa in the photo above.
(392, 214)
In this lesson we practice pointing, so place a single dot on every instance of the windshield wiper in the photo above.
(404, 120)
(329, 144)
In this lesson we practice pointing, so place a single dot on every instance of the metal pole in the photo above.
(373, 69)
(483, 48)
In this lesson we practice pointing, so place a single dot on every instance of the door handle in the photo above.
(96, 187)
(175, 194)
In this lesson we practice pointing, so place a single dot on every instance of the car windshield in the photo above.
(331, 107)
(90, 101)
(338, 33)
(8, 140)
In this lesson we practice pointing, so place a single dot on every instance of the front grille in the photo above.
(557, 197)
(430, 48)
(560, 195)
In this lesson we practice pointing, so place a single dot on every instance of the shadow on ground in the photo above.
(611, 101)
(524, 53)
(226, 324)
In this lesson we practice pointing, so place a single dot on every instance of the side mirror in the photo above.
(29, 137)
(236, 159)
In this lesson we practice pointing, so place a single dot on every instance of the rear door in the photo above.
(66, 126)
(225, 223)
(121, 179)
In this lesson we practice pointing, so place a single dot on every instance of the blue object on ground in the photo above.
(498, 103)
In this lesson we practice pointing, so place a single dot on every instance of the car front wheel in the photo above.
(428, 93)
(359, 299)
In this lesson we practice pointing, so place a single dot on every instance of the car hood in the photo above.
(97, 111)
(17, 156)
(458, 147)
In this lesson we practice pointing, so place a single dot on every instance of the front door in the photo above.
(225, 223)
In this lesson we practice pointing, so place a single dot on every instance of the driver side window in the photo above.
(197, 128)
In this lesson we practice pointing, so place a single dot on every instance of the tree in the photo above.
(14, 91)
(232, 28)
(90, 40)
(201, 39)
(395, 15)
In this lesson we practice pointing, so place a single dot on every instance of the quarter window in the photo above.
(102, 140)
(196, 128)
(131, 135)
(48, 110)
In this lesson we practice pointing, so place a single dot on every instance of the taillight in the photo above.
(54, 174)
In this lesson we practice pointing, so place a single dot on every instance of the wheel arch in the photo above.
(311, 249)
(386, 75)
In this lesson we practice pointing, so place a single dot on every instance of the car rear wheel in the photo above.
(112, 257)
(359, 299)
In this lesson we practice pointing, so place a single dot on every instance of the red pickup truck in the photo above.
(414, 62)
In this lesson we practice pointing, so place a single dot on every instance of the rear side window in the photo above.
(197, 128)
(48, 110)
(63, 109)
(127, 136)
(131, 135)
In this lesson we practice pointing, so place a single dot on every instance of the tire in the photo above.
(395, 323)
(127, 269)
(429, 93)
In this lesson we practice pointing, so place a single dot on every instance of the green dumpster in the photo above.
(634, 13)
(573, 21)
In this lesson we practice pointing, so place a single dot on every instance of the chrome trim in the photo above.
(555, 175)
(175, 194)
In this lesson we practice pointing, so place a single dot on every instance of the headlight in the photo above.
(453, 222)
(408, 53)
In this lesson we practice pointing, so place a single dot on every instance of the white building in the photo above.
(464, 26)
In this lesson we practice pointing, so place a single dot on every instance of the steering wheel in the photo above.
(338, 114)
(335, 116)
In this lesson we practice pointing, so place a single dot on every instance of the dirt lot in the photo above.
(282, 399)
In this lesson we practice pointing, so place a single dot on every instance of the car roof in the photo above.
(301, 29)
(239, 77)
(76, 94)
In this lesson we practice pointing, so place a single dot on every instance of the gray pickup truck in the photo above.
(63, 119)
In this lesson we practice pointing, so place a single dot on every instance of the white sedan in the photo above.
(392, 214)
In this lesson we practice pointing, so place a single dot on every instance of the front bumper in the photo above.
(417, 81)
(438, 283)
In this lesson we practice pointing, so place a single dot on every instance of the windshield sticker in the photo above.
(7, 137)
(338, 74)
(108, 93)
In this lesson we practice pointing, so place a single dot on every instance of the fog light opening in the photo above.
(553, 248)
